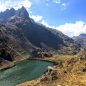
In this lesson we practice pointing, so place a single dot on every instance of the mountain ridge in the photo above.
(23, 36)
(81, 40)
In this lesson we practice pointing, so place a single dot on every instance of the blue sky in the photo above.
(68, 16)
(57, 12)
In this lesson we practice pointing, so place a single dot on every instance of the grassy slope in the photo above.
(69, 73)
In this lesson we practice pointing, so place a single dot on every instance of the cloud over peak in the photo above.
(36, 18)
(70, 29)
(7, 4)
(73, 29)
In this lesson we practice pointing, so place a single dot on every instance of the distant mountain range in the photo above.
(20, 35)
(81, 39)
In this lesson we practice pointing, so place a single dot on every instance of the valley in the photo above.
(32, 54)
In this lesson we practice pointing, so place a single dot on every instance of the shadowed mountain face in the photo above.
(83, 35)
(23, 35)
(81, 39)
(7, 14)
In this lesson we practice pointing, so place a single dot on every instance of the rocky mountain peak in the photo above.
(24, 36)
(10, 14)
(83, 35)
(22, 12)
(81, 39)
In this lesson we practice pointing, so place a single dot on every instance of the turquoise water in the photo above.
(23, 71)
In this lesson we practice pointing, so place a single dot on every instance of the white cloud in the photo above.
(7, 4)
(45, 23)
(70, 29)
(36, 18)
(73, 29)
(25, 3)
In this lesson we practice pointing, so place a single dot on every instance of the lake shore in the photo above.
(72, 72)
(30, 69)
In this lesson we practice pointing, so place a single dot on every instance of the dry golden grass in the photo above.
(69, 74)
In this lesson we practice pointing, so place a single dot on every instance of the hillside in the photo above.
(20, 36)
(81, 39)
(70, 71)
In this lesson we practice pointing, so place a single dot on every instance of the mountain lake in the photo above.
(23, 71)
